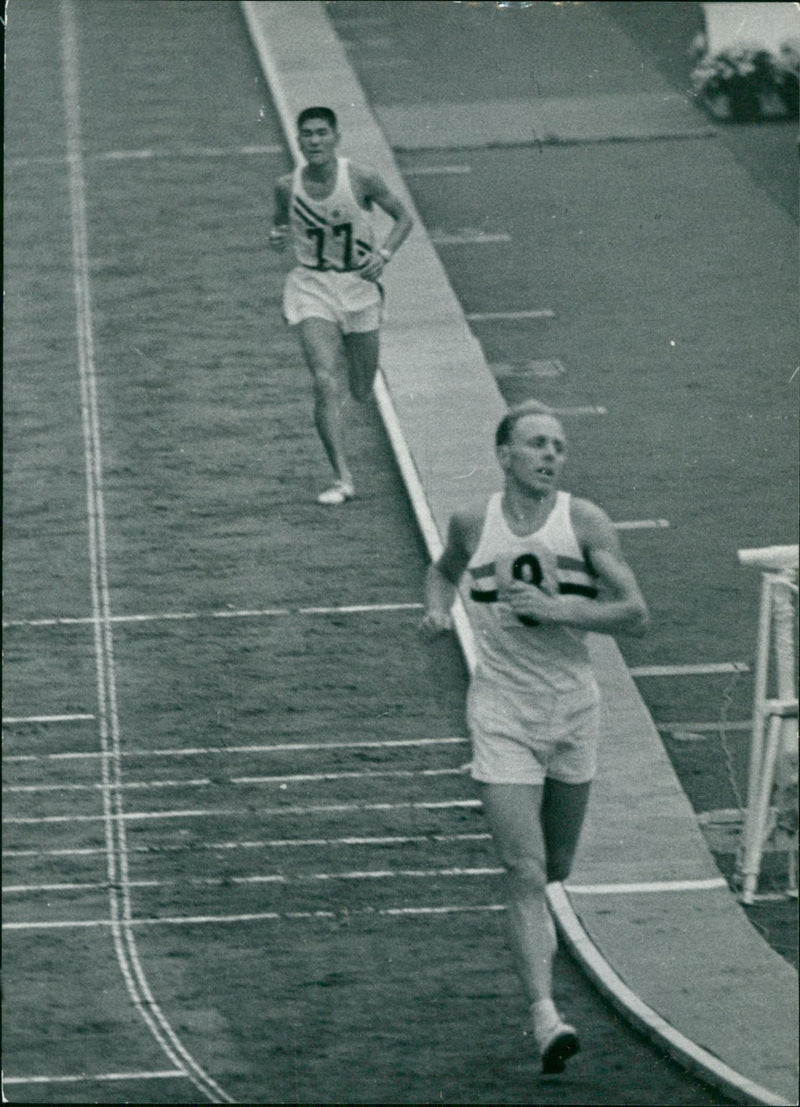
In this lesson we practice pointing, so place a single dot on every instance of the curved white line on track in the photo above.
(117, 862)
(683, 1049)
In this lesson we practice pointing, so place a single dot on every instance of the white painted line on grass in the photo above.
(131, 785)
(282, 747)
(238, 812)
(359, 609)
(17, 719)
(642, 524)
(643, 888)
(676, 728)
(705, 669)
(259, 916)
(583, 409)
(700, 885)
(189, 152)
(267, 843)
(258, 878)
(436, 170)
(119, 906)
(501, 316)
(204, 782)
(468, 239)
(303, 778)
(95, 1077)
(151, 155)
(243, 613)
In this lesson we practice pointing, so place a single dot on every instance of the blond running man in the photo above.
(333, 296)
(544, 568)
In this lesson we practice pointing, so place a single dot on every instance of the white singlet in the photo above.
(533, 703)
(511, 651)
(331, 234)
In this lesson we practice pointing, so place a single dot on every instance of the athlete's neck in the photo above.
(321, 174)
(528, 507)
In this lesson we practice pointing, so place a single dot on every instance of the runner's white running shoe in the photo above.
(339, 493)
(557, 1046)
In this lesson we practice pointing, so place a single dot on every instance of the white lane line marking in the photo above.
(90, 1077)
(189, 152)
(204, 782)
(255, 613)
(282, 747)
(642, 524)
(499, 316)
(583, 409)
(676, 728)
(259, 916)
(302, 778)
(97, 785)
(267, 843)
(705, 669)
(149, 155)
(359, 609)
(644, 888)
(699, 885)
(119, 904)
(259, 878)
(468, 238)
(14, 719)
(238, 812)
(436, 170)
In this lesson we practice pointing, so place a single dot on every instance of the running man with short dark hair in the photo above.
(544, 568)
(333, 295)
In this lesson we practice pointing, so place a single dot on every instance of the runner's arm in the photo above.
(441, 581)
(620, 605)
(279, 233)
(374, 190)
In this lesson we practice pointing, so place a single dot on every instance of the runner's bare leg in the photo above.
(513, 813)
(321, 342)
(563, 810)
(361, 350)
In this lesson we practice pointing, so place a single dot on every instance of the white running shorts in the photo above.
(354, 304)
(521, 738)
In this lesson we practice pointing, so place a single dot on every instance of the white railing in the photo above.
(772, 795)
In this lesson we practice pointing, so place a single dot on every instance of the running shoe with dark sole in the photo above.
(558, 1050)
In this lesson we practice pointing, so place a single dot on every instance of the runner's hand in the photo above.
(279, 238)
(436, 622)
(372, 268)
(528, 600)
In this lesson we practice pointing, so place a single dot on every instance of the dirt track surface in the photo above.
(210, 467)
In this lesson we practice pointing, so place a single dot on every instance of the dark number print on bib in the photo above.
(343, 231)
(528, 569)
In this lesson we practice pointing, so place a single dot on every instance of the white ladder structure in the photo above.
(772, 782)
